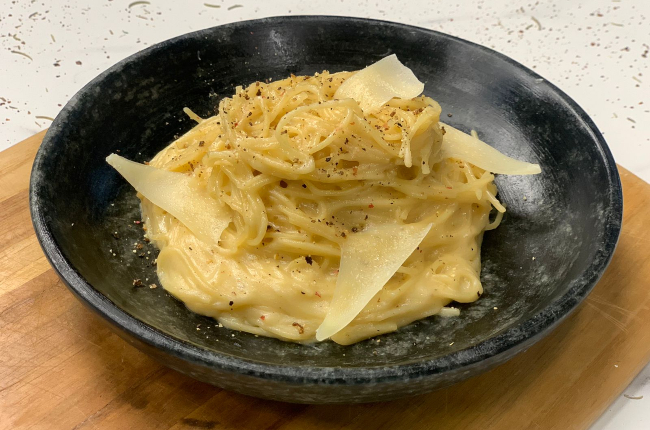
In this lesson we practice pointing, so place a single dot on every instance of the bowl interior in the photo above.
(552, 244)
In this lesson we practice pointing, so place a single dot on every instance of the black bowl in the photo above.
(557, 238)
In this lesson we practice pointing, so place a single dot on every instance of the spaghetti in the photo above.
(299, 177)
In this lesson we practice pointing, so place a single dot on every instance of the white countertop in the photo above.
(596, 51)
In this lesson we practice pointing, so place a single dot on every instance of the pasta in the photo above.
(298, 213)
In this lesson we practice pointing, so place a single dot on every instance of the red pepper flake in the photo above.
(263, 317)
(449, 188)
(301, 329)
(371, 206)
(283, 184)
(137, 222)
(317, 293)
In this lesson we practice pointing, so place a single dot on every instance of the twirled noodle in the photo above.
(299, 172)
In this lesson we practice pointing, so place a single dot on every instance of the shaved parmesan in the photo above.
(375, 85)
(368, 260)
(456, 144)
(178, 194)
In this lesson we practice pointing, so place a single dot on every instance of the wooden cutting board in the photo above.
(61, 367)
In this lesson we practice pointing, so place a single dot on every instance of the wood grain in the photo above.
(62, 368)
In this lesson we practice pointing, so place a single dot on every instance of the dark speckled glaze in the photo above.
(568, 218)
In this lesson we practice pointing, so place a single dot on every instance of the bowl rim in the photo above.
(489, 349)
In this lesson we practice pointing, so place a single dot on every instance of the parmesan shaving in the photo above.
(456, 144)
(375, 85)
(178, 194)
(368, 260)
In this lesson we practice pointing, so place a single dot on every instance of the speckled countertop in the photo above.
(596, 51)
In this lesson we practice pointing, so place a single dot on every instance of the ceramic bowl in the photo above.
(555, 241)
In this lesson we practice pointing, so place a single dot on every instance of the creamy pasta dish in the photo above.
(334, 206)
